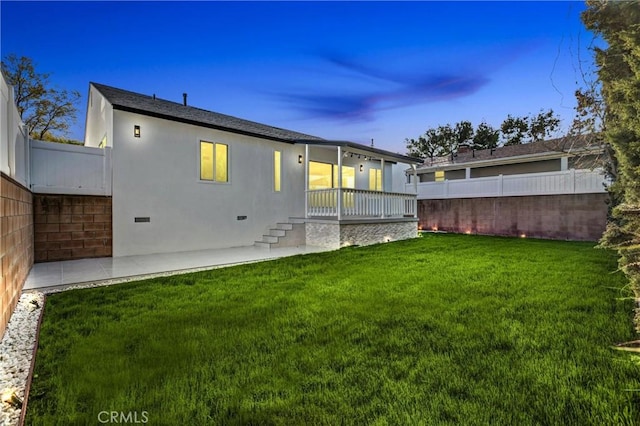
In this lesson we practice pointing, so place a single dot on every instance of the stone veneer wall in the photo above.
(16, 244)
(334, 234)
(580, 217)
(72, 227)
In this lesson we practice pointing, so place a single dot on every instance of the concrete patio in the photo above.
(54, 276)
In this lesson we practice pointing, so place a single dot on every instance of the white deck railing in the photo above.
(70, 169)
(359, 203)
(550, 183)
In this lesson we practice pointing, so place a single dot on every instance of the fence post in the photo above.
(572, 182)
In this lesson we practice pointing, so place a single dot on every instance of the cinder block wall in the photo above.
(16, 245)
(71, 227)
(581, 217)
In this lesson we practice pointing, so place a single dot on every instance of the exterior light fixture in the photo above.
(361, 168)
(300, 159)
(468, 232)
(523, 235)
(136, 131)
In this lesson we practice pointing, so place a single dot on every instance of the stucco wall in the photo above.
(16, 245)
(71, 227)
(99, 120)
(157, 176)
(564, 217)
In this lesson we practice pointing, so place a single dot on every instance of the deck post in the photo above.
(306, 181)
(339, 203)
(383, 204)
(415, 189)
(415, 178)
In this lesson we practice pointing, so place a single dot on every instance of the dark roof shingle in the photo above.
(147, 105)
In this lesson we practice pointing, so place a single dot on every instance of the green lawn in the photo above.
(445, 329)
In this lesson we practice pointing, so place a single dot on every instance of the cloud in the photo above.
(343, 107)
(360, 90)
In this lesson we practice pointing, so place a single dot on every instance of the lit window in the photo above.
(348, 176)
(221, 163)
(214, 162)
(277, 169)
(439, 176)
(375, 180)
(320, 175)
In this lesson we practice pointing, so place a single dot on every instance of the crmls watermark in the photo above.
(131, 417)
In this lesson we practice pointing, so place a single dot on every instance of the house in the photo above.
(547, 189)
(183, 179)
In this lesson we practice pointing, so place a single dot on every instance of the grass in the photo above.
(446, 329)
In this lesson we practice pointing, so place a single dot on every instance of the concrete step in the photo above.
(296, 220)
(277, 232)
(270, 239)
(262, 244)
(285, 226)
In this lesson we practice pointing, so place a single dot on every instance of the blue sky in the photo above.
(340, 70)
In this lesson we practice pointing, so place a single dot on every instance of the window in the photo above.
(348, 176)
(277, 170)
(325, 176)
(214, 159)
(375, 180)
(320, 175)
(439, 176)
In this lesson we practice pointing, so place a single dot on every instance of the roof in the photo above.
(125, 100)
(387, 155)
(560, 147)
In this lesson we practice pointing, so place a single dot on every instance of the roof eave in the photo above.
(387, 155)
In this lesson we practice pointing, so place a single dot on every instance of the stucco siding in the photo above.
(156, 176)
(99, 119)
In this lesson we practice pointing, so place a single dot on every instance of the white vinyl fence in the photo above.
(550, 183)
(70, 169)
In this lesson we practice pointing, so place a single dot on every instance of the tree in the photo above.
(43, 109)
(485, 137)
(543, 125)
(618, 23)
(514, 130)
(463, 133)
(441, 141)
(438, 142)
(531, 128)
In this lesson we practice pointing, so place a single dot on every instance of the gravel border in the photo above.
(16, 351)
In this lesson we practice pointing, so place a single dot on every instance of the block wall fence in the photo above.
(579, 217)
(71, 227)
(16, 247)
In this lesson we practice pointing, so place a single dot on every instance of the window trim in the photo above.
(277, 171)
(377, 173)
(228, 163)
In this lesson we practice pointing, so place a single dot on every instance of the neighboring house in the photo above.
(188, 179)
(547, 189)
